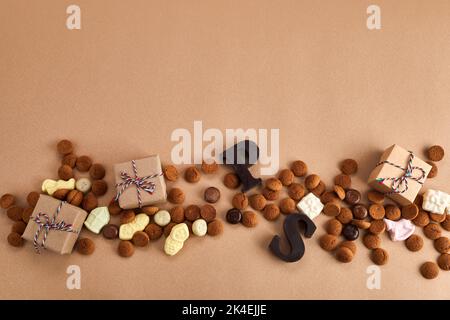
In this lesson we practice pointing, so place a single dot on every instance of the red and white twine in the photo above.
(141, 183)
(45, 224)
(400, 184)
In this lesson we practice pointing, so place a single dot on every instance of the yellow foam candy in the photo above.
(180, 232)
(172, 247)
(50, 186)
(126, 231)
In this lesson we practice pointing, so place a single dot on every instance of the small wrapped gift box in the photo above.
(399, 174)
(140, 183)
(54, 225)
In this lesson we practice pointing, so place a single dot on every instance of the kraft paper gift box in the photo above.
(399, 174)
(140, 183)
(56, 224)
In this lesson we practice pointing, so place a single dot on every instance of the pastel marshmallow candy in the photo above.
(127, 230)
(199, 227)
(50, 186)
(180, 232)
(162, 218)
(399, 230)
(83, 185)
(97, 219)
(435, 201)
(172, 247)
(310, 205)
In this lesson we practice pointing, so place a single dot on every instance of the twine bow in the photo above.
(45, 224)
(400, 184)
(141, 183)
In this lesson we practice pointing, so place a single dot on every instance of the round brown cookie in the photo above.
(446, 223)
(442, 244)
(75, 197)
(350, 245)
(286, 177)
(32, 198)
(332, 209)
(432, 231)
(64, 147)
(97, 171)
(312, 181)
(299, 168)
(422, 219)
(149, 210)
(375, 197)
(177, 214)
(26, 214)
(377, 227)
(270, 194)
(329, 196)
(435, 153)
(61, 194)
(168, 228)
(361, 224)
(257, 201)
(192, 174)
(170, 173)
(379, 256)
(410, 211)
(240, 201)
(126, 248)
(192, 212)
(419, 200)
(99, 187)
(339, 191)
(371, 241)
(83, 163)
(352, 197)
(7, 200)
(433, 171)
(271, 212)
(211, 195)
(153, 231)
(349, 166)
(176, 196)
(15, 213)
(429, 270)
(393, 212)
(140, 239)
(287, 206)
(376, 211)
(215, 228)
(333, 227)
(444, 261)
(231, 181)
(113, 208)
(210, 167)
(90, 202)
(15, 239)
(273, 184)
(127, 216)
(319, 190)
(249, 219)
(345, 215)
(328, 242)
(436, 217)
(343, 180)
(85, 246)
(344, 254)
(19, 227)
(414, 243)
(296, 191)
(70, 159)
(360, 211)
(207, 212)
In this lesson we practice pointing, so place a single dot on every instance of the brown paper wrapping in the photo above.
(57, 241)
(398, 156)
(147, 166)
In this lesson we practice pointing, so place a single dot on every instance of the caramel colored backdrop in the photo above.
(137, 70)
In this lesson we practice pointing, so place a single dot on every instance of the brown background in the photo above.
(140, 69)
